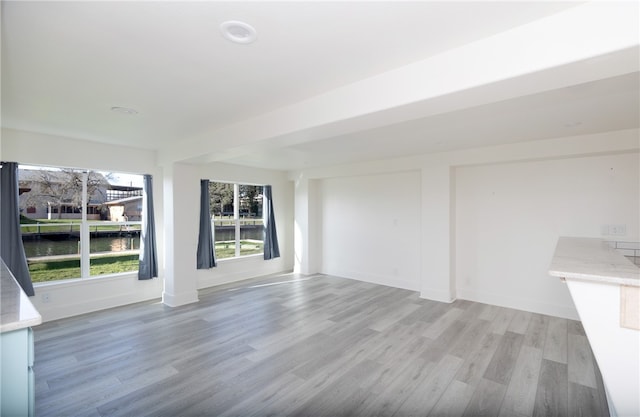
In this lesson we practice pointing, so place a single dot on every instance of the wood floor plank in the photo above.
(438, 327)
(427, 312)
(580, 361)
(521, 391)
(439, 347)
(321, 345)
(478, 359)
(504, 360)
(602, 399)
(387, 402)
(393, 316)
(553, 390)
(453, 401)
(389, 344)
(470, 339)
(489, 312)
(555, 348)
(502, 320)
(584, 401)
(267, 400)
(347, 391)
(575, 327)
(429, 390)
(520, 322)
(486, 400)
(536, 333)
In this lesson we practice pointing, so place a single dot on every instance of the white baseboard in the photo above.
(437, 295)
(519, 303)
(395, 282)
(176, 300)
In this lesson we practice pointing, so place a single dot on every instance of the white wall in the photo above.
(81, 296)
(472, 245)
(371, 228)
(509, 217)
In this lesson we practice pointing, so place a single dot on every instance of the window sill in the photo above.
(255, 256)
(81, 281)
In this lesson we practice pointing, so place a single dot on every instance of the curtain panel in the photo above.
(271, 249)
(11, 247)
(148, 261)
(206, 257)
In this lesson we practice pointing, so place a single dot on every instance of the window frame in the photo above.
(237, 222)
(85, 224)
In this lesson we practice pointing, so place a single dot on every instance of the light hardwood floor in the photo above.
(315, 346)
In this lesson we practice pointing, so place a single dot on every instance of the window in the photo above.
(236, 213)
(68, 229)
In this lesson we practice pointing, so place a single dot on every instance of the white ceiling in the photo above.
(65, 64)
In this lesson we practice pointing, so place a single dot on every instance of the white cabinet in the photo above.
(17, 380)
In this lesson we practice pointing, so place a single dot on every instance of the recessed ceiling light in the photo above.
(238, 32)
(124, 110)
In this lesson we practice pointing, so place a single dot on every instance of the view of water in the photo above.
(45, 247)
(70, 246)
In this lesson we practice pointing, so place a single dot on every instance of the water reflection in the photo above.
(45, 247)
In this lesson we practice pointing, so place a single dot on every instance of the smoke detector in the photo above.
(238, 32)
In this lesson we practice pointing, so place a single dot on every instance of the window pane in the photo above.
(114, 247)
(115, 229)
(50, 228)
(224, 224)
(245, 231)
(225, 239)
(251, 225)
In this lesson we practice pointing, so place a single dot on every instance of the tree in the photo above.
(248, 194)
(220, 198)
(63, 188)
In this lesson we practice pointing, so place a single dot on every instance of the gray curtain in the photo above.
(11, 247)
(271, 249)
(148, 265)
(206, 253)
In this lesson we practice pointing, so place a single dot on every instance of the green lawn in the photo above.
(43, 271)
(228, 249)
(54, 270)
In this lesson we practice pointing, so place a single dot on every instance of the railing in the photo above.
(74, 227)
(243, 222)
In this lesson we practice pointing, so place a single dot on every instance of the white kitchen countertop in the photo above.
(16, 310)
(592, 259)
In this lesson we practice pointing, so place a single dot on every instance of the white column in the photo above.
(438, 233)
(307, 233)
(181, 205)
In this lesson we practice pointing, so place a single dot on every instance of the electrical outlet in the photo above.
(618, 229)
(46, 297)
(614, 230)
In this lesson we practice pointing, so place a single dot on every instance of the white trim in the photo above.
(177, 300)
(71, 282)
(437, 295)
(519, 303)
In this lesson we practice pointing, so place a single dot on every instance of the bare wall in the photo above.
(371, 228)
(509, 217)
